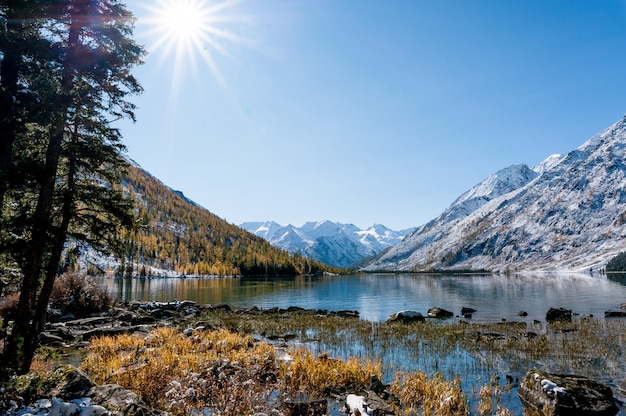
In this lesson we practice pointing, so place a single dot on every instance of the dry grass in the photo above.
(221, 370)
(420, 394)
(231, 373)
(304, 374)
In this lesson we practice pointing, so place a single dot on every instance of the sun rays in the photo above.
(185, 33)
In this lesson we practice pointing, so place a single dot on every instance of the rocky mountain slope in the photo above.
(567, 213)
(335, 244)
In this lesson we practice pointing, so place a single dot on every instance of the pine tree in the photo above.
(73, 153)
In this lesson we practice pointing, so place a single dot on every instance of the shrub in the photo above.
(77, 293)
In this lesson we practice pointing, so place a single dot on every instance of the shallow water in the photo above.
(377, 296)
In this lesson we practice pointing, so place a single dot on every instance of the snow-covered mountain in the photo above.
(567, 213)
(329, 242)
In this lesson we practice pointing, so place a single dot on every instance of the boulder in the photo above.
(406, 316)
(560, 395)
(437, 312)
(558, 315)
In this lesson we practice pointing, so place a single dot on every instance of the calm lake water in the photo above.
(377, 296)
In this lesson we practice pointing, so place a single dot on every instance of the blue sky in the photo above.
(370, 111)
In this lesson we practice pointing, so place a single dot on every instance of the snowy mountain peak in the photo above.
(569, 215)
(332, 243)
(548, 163)
(500, 183)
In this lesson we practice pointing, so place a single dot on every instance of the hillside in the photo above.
(568, 213)
(335, 244)
(177, 236)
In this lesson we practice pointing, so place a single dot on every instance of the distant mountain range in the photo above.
(567, 213)
(335, 244)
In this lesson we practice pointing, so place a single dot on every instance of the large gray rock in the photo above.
(406, 317)
(77, 385)
(437, 312)
(565, 395)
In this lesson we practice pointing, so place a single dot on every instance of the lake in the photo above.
(377, 296)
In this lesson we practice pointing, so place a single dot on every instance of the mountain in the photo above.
(332, 243)
(179, 237)
(567, 213)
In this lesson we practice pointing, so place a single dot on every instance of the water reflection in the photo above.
(617, 278)
(377, 296)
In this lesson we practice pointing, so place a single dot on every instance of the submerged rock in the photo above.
(309, 408)
(560, 395)
(614, 314)
(558, 314)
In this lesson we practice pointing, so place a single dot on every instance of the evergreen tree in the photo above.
(70, 150)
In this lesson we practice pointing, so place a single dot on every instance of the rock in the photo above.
(436, 312)
(347, 314)
(560, 395)
(77, 385)
(467, 312)
(614, 314)
(406, 316)
(522, 313)
(311, 408)
(560, 315)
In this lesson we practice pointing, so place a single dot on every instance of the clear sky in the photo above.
(366, 111)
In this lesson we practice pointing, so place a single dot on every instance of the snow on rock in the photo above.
(356, 405)
(551, 388)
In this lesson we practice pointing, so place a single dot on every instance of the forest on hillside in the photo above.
(176, 234)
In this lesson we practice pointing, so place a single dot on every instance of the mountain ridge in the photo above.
(566, 218)
(332, 243)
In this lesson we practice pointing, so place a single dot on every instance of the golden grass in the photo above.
(307, 375)
(420, 394)
(217, 369)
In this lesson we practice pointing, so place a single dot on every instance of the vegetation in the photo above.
(176, 234)
(617, 263)
(78, 294)
(441, 370)
(64, 77)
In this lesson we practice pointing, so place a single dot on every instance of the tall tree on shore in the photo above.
(82, 84)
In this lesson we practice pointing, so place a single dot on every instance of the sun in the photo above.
(183, 20)
(185, 32)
